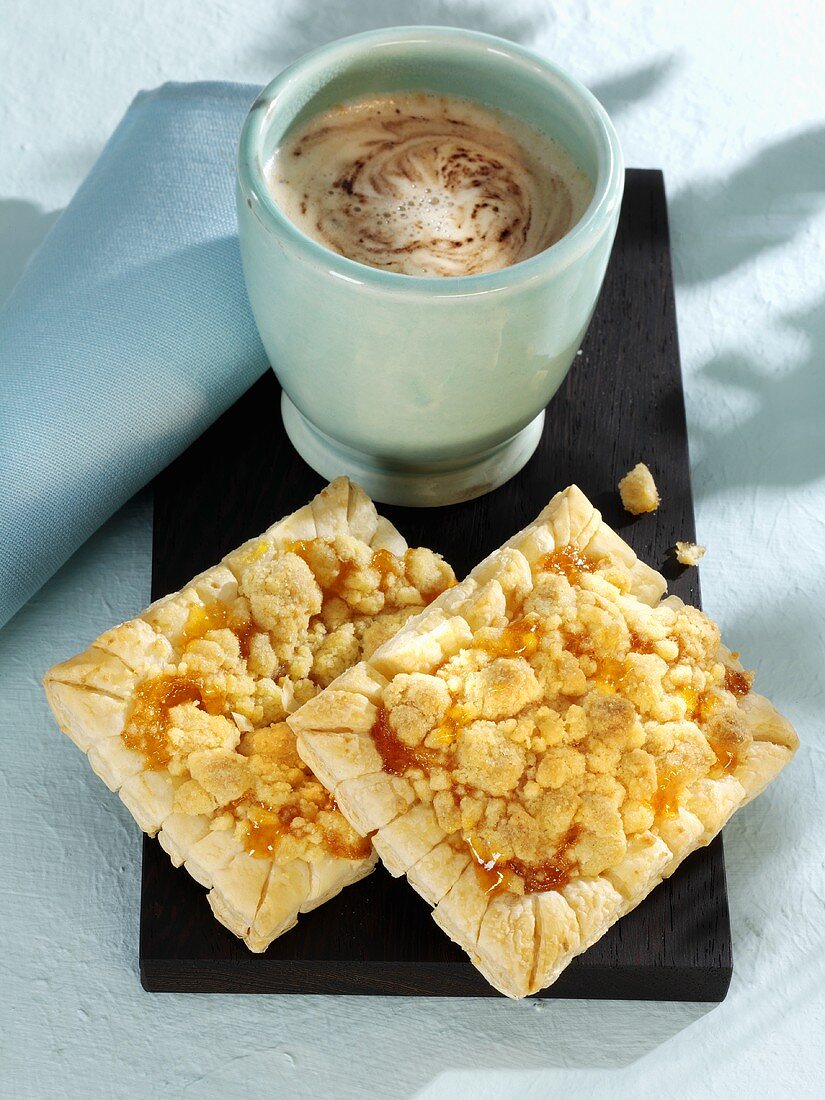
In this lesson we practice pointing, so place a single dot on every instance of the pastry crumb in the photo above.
(688, 553)
(638, 491)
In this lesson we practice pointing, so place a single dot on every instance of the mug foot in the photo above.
(414, 488)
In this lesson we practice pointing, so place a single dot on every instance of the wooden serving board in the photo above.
(621, 402)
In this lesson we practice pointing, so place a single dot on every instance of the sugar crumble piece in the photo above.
(688, 553)
(638, 491)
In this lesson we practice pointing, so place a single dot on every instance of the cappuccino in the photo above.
(430, 185)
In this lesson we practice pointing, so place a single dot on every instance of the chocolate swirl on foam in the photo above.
(427, 185)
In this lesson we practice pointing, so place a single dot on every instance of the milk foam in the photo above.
(427, 185)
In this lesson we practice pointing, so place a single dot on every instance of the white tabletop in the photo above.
(727, 99)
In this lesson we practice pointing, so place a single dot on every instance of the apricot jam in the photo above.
(737, 683)
(386, 563)
(609, 674)
(216, 616)
(338, 586)
(396, 757)
(301, 547)
(726, 759)
(665, 800)
(335, 844)
(691, 698)
(383, 561)
(699, 706)
(496, 875)
(519, 638)
(265, 828)
(492, 875)
(148, 726)
(549, 874)
(568, 561)
(455, 718)
(640, 645)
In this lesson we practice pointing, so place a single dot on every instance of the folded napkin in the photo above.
(129, 332)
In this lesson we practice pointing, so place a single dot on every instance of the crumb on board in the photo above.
(638, 491)
(688, 553)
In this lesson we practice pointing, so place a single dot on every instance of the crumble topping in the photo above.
(688, 553)
(638, 491)
(215, 716)
(575, 717)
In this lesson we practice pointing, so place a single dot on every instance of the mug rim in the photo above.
(608, 185)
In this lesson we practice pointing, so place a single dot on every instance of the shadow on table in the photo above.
(781, 440)
(770, 842)
(305, 26)
(618, 93)
(719, 225)
(783, 637)
(418, 1044)
(23, 225)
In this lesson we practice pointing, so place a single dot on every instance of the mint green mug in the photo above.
(426, 391)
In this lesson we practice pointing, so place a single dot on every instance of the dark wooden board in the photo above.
(621, 402)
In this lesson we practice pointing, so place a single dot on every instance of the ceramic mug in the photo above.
(425, 391)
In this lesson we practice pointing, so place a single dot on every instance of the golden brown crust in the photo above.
(556, 739)
(438, 871)
(558, 939)
(181, 709)
(461, 911)
(506, 948)
(84, 714)
(405, 840)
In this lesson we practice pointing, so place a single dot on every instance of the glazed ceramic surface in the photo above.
(425, 390)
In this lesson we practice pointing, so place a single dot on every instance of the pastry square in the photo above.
(544, 744)
(182, 710)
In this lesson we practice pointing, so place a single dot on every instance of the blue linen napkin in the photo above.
(129, 332)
